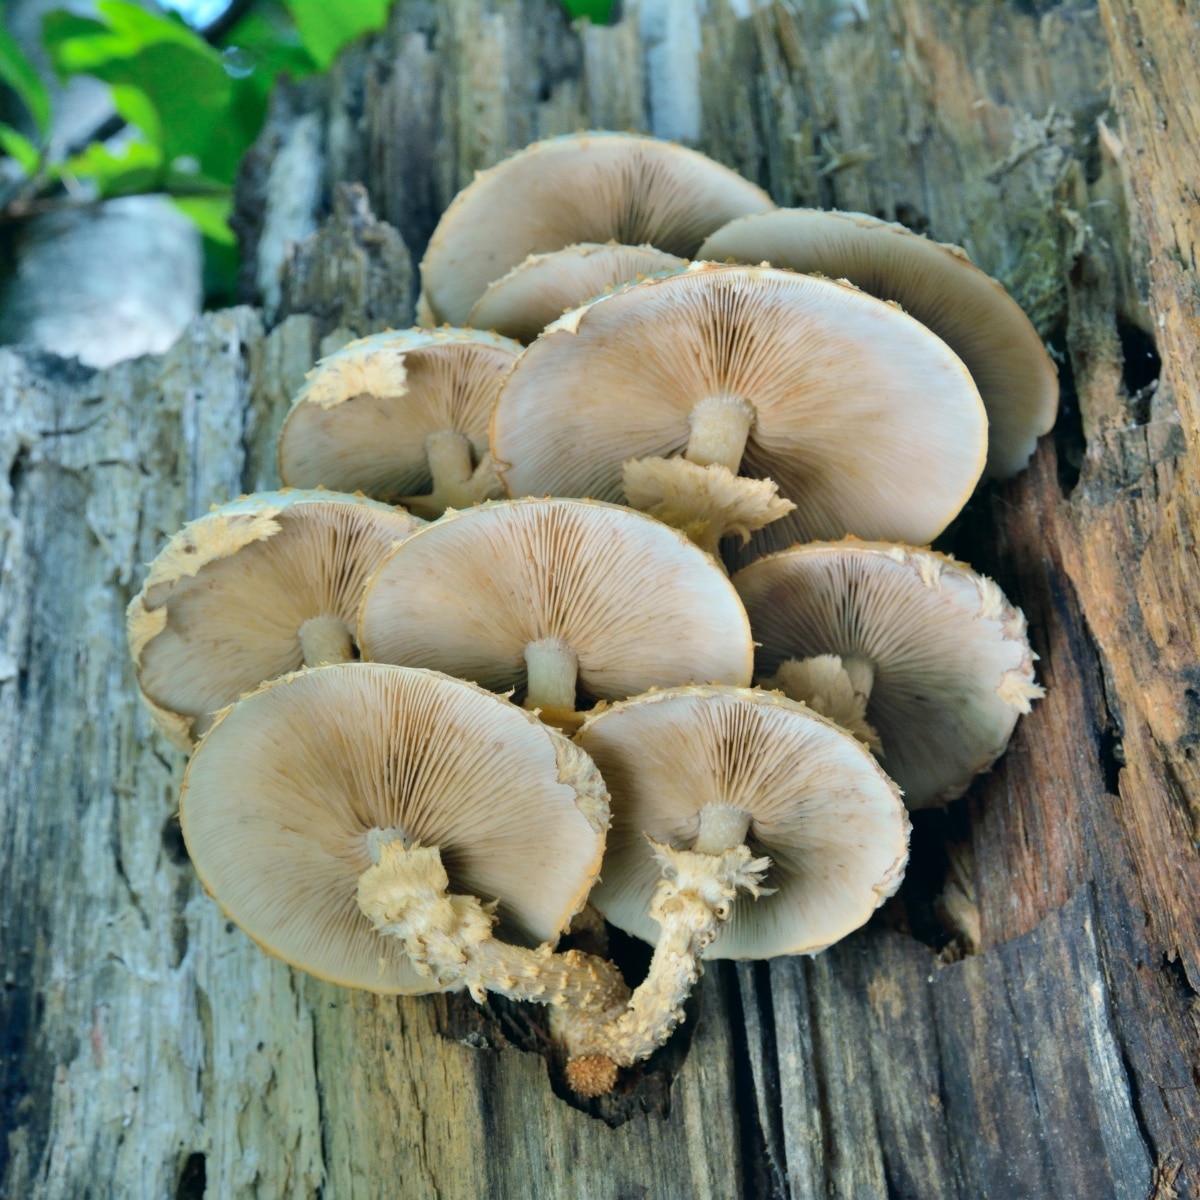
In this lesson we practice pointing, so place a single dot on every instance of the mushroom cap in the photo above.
(637, 602)
(866, 420)
(820, 807)
(537, 291)
(953, 667)
(282, 793)
(222, 605)
(584, 187)
(940, 286)
(361, 419)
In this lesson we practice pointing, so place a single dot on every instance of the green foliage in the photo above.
(17, 146)
(325, 27)
(599, 12)
(18, 73)
(193, 109)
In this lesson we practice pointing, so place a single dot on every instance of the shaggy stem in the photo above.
(706, 503)
(448, 937)
(694, 897)
(325, 639)
(720, 427)
(836, 687)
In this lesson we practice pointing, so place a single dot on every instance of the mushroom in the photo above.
(556, 597)
(375, 825)
(703, 781)
(906, 648)
(537, 291)
(397, 413)
(251, 591)
(586, 187)
(866, 421)
(937, 284)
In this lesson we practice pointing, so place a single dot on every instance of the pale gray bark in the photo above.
(151, 1050)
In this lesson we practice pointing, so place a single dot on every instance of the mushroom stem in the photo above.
(551, 672)
(449, 937)
(720, 427)
(836, 687)
(722, 827)
(325, 639)
(694, 896)
(456, 482)
(861, 671)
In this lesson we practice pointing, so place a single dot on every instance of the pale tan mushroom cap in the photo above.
(281, 795)
(635, 600)
(820, 808)
(940, 286)
(865, 419)
(586, 187)
(361, 420)
(537, 291)
(222, 605)
(953, 667)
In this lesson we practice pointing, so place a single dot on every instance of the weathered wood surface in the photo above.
(1023, 1022)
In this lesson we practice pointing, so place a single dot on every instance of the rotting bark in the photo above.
(150, 1049)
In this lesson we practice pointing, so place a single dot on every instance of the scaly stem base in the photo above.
(694, 897)
(448, 937)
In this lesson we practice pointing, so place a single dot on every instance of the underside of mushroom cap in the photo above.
(951, 662)
(940, 286)
(866, 420)
(364, 417)
(633, 600)
(586, 187)
(537, 291)
(819, 807)
(223, 605)
(284, 795)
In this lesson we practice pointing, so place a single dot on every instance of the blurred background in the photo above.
(122, 125)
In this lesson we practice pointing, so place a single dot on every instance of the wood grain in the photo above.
(1021, 1022)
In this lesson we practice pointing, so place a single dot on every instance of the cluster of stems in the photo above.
(601, 1024)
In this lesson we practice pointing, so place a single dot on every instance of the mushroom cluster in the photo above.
(422, 743)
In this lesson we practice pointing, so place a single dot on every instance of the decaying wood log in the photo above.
(1021, 1022)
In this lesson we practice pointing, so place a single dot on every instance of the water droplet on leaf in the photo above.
(238, 63)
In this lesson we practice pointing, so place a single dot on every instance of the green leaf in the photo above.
(599, 12)
(79, 45)
(210, 214)
(138, 109)
(271, 47)
(326, 27)
(20, 148)
(137, 168)
(19, 73)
